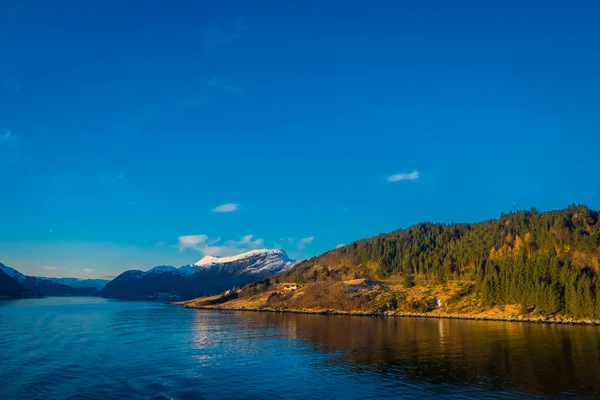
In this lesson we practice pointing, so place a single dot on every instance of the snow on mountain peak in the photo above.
(207, 260)
(211, 260)
(13, 273)
(257, 262)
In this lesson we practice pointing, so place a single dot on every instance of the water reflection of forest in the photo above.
(503, 355)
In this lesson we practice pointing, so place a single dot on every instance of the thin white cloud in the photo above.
(404, 176)
(160, 243)
(10, 150)
(50, 268)
(113, 178)
(88, 270)
(191, 241)
(340, 245)
(302, 243)
(247, 240)
(203, 244)
(307, 240)
(224, 208)
(220, 37)
(11, 85)
(7, 138)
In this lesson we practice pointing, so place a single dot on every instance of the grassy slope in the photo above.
(345, 281)
(458, 300)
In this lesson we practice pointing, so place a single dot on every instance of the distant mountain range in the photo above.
(46, 286)
(98, 284)
(208, 276)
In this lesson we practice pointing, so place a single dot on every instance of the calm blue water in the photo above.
(91, 348)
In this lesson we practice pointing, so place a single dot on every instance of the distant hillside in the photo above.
(79, 283)
(44, 286)
(547, 263)
(208, 276)
(9, 287)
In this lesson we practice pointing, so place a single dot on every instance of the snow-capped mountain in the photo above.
(251, 262)
(208, 276)
(13, 273)
(264, 261)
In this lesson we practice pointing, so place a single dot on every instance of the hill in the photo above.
(10, 288)
(524, 263)
(79, 283)
(208, 276)
(44, 286)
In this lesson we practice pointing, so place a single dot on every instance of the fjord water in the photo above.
(92, 348)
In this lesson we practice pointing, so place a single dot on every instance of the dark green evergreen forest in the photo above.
(546, 261)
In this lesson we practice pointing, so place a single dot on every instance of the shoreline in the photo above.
(538, 320)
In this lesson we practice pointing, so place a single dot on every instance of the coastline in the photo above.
(538, 320)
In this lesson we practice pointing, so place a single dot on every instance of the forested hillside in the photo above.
(548, 262)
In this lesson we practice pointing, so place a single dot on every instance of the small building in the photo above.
(290, 286)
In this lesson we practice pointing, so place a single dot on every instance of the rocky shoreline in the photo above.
(539, 320)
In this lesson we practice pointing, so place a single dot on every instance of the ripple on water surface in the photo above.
(91, 348)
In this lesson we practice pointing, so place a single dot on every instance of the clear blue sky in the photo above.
(124, 125)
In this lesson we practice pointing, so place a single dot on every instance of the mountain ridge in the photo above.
(45, 286)
(79, 282)
(9, 287)
(212, 275)
(545, 264)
